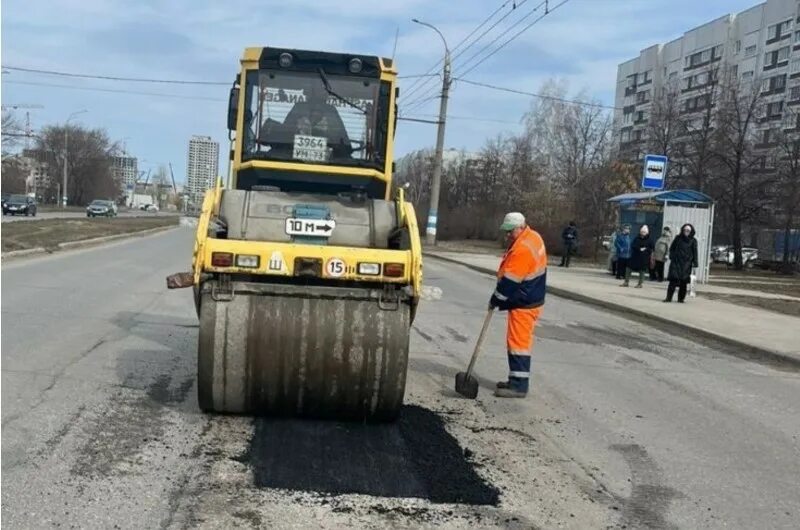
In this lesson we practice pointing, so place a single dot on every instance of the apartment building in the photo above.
(125, 170)
(759, 45)
(202, 167)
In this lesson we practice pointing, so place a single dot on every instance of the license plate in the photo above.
(310, 148)
(310, 227)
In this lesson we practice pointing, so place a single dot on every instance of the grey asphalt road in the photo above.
(74, 215)
(626, 427)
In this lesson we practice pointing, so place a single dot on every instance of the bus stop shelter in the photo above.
(672, 208)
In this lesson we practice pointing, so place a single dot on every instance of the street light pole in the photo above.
(433, 211)
(66, 151)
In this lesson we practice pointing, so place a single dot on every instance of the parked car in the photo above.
(149, 207)
(749, 257)
(719, 253)
(19, 204)
(101, 208)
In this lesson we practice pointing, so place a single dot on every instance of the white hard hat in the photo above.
(512, 220)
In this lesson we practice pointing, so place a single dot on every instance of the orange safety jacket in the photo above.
(522, 276)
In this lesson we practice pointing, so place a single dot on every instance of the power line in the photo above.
(478, 39)
(523, 30)
(417, 103)
(113, 90)
(115, 78)
(412, 88)
(465, 118)
(517, 23)
(541, 96)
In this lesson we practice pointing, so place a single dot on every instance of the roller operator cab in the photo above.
(307, 265)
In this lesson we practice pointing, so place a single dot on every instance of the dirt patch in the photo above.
(48, 233)
(414, 457)
(776, 305)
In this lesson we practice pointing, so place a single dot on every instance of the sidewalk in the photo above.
(760, 331)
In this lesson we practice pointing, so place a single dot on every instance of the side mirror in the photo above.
(233, 108)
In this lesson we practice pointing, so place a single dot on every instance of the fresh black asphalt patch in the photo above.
(413, 457)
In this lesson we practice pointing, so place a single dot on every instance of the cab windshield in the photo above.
(293, 116)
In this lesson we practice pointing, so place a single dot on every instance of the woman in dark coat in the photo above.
(682, 258)
(641, 250)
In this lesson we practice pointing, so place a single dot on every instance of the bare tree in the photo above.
(666, 123)
(696, 128)
(88, 159)
(745, 171)
(788, 189)
(12, 132)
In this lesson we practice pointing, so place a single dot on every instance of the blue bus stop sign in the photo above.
(655, 172)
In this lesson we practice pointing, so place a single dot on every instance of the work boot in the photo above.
(625, 284)
(638, 286)
(507, 392)
(503, 384)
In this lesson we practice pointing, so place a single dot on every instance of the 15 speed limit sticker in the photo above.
(335, 268)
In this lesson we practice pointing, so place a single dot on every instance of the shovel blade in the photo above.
(466, 385)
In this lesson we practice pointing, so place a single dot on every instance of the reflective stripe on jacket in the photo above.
(522, 276)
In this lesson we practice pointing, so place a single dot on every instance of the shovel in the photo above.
(466, 385)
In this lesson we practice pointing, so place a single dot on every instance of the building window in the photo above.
(672, 76)
(738, 47)
(747, 76)
(643, 96)
(783, 54)
(631, 81)
(777, 31)
(646, 76)
(626, 136)
(750, 51)
(774, 109)
(795, 94)
(797, 36)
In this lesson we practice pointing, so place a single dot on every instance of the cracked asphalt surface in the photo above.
(627, 426)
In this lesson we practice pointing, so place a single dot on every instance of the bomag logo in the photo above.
(271, 209)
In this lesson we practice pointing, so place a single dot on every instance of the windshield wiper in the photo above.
(330, 91)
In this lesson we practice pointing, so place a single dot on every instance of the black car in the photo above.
(19, 204)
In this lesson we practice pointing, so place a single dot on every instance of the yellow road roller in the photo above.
(307, 265)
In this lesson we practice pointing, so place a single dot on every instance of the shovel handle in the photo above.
(486, 322)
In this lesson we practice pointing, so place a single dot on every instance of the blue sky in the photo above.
(582, 41)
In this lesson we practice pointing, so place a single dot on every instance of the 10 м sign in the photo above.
(655, 172)
(310, 227)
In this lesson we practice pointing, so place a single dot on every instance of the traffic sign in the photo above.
(310, 227)
(655, 172)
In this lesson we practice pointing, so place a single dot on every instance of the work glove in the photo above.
(493, 303)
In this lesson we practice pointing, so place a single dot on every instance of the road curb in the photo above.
(95, 241)
(23, 253)
(752, 351)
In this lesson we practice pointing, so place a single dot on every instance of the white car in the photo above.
(149, 207)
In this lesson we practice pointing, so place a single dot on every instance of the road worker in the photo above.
(520, 290)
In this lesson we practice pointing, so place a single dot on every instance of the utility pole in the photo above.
(433, 211)
(66, 151)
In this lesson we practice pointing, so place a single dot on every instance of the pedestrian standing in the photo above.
(682, 259)
(520, 290)
(641, 250)
(612, 253)
(660, 253)
(570, 238)
(623, 246)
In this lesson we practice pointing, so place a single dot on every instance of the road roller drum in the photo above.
(286, 350)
